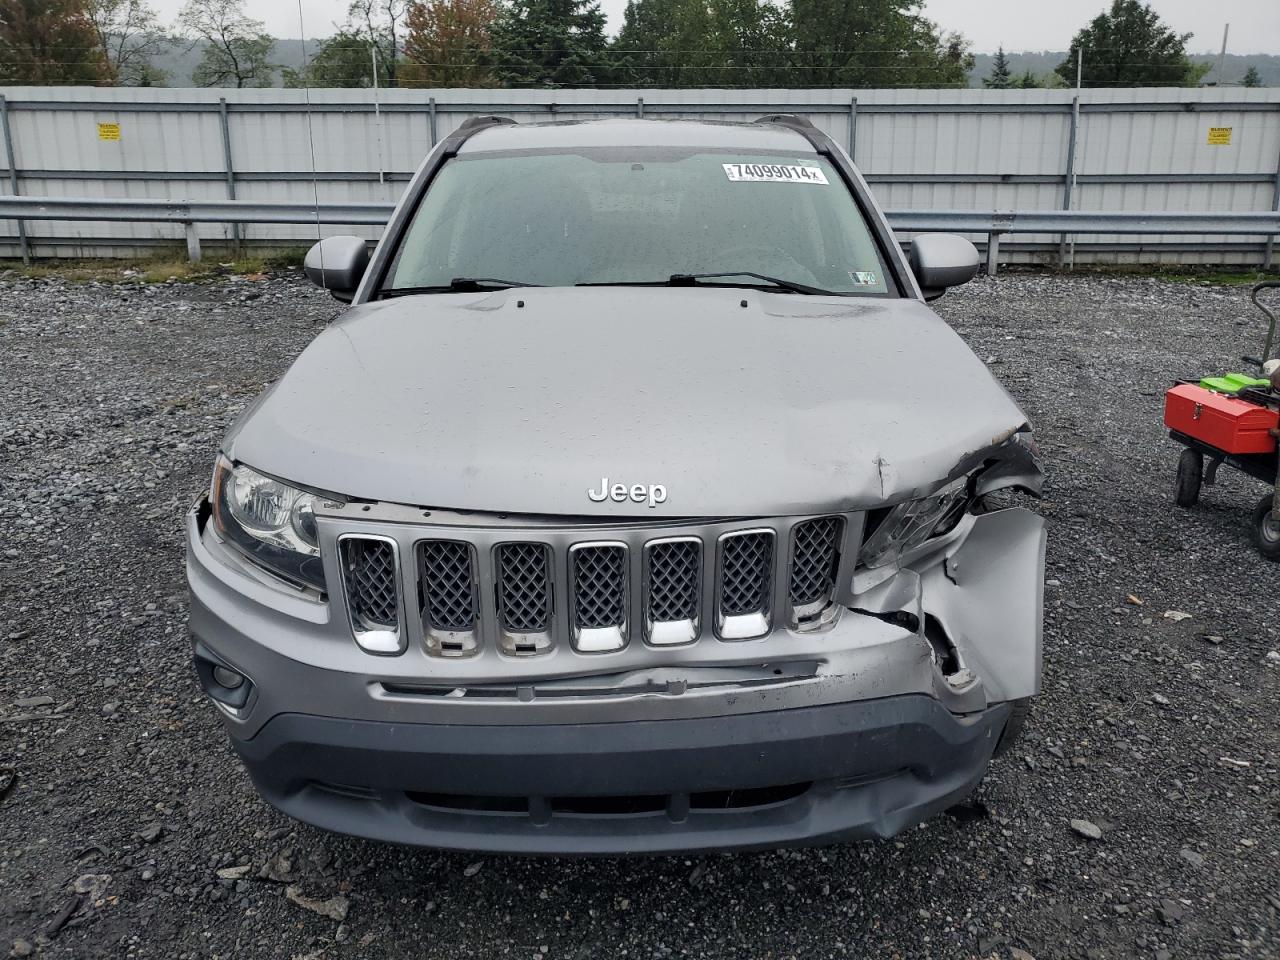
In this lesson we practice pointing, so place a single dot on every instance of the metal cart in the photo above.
(1193, 471)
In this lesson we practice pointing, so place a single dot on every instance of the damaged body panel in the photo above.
(367, 406)
(666, 561)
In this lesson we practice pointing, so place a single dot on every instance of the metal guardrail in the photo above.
(994, 223)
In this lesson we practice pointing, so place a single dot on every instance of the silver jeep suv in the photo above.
(638, 504)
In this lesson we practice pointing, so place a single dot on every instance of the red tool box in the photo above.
(1225, 422)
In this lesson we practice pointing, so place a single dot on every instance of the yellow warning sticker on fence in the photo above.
(1219, 136)
(111, 131)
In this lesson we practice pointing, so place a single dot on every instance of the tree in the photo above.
(448, 43)
(873, 43)
(687, 43)
(551, 43)
(1251, 78)
(648, 47)
(129, 35)
(1028, 81)
(237, 48)
(346, 59)
(1130, 46)
(343, 60)
(1000, 77)
(49, 41)
(379, 23)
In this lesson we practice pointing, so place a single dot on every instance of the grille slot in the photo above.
(599, 586)
(451, 589)
(746, 572)
(524, 587)
(448, 585)
(815, 555)
(370, 569)
(673, 581)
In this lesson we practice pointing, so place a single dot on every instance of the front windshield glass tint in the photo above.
(558, 219)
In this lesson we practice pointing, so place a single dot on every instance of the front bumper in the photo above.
(850, 732)
(809, 775)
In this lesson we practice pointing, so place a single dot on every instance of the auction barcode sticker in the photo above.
(773, 173)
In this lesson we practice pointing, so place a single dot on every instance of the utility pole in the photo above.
(1075, 137)
(1223, 55)
(377, 112)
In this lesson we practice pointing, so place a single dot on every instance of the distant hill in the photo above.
(179, 60)
(1043, 63)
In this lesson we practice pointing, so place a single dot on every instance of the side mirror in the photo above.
(941, 260)
(337, 264)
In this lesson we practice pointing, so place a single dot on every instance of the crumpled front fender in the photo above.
(988, 594)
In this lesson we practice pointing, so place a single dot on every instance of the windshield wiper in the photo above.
(694, 280)
(458, 285)
(691, 280)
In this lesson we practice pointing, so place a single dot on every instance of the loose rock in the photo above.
(1170, 911)
(335, 908)
(1086, 829)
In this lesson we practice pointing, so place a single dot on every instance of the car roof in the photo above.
(576, 134)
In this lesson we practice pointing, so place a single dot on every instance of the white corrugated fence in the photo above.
(1160, 149)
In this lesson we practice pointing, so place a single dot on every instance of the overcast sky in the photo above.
(1017, 24)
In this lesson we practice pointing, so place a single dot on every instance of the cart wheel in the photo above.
(1266, 528)
(1190, 471)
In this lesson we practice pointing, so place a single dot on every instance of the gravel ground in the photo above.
(127, 829)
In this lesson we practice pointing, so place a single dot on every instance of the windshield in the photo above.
(639, 215)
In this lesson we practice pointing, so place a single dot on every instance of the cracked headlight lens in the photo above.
(272, 522)
(911, 523)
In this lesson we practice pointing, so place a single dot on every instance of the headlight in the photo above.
(911, 523)
(274, 523)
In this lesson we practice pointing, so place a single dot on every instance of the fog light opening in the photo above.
(226, 677)
(223, 682)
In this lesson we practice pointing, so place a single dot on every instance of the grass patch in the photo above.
(1215, 275)
(280, 259)
(158, 269)
(1236, 276)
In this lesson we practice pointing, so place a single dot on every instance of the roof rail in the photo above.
(475, 123)
(795, 121)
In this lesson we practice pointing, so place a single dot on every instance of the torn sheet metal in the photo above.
(988, 594)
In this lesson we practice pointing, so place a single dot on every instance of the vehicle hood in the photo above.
(738, 402)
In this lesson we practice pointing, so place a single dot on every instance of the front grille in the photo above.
(814, 556)
(746, 572)
(673, 581)
(448, 585)
(599, 586)
(471, 588)
(369, 567)
(524, 587)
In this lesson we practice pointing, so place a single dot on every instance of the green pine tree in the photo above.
(1130, 46)
(1000, 77)
(1251, 78)
(551, 43)
(873, 43)
(702, 43)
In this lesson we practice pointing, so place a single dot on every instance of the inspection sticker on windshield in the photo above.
(773, 173)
